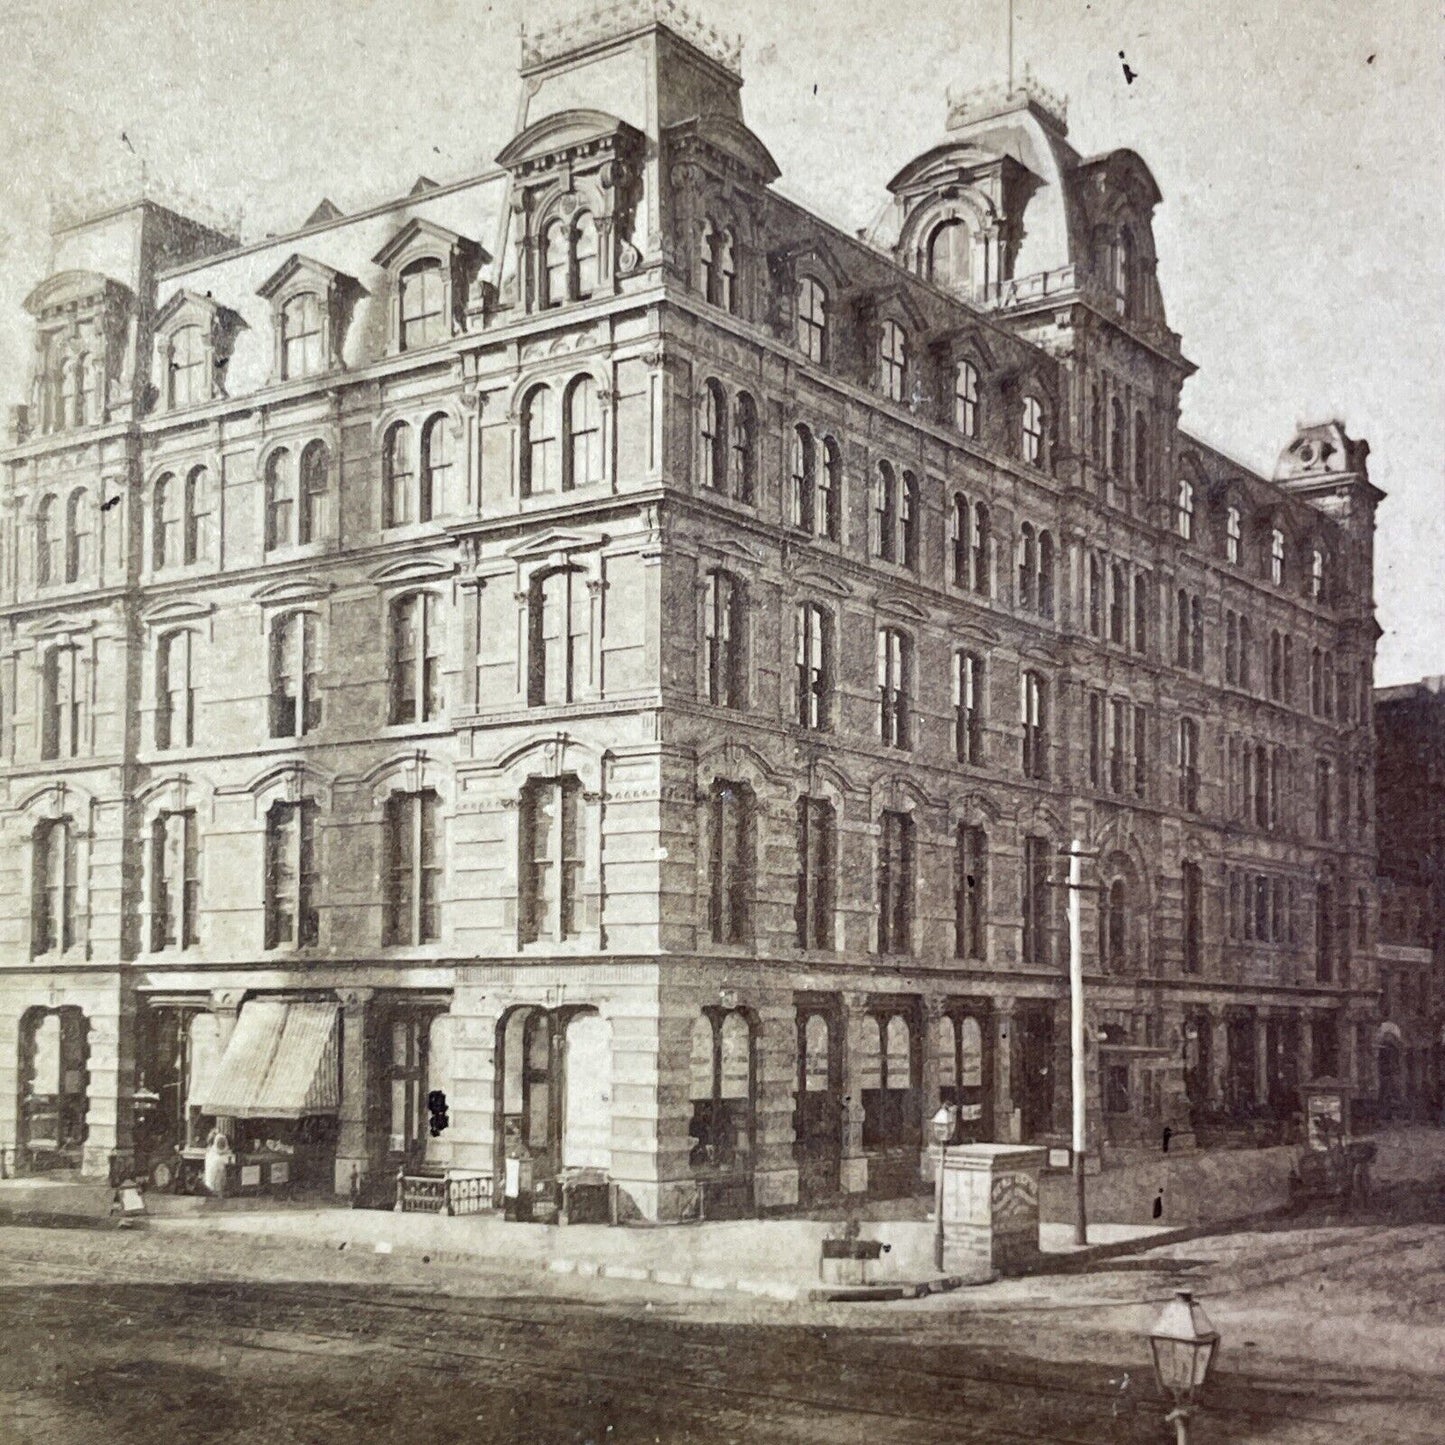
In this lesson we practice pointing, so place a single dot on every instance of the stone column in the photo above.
(109, 1067)
(472, 1100)
(1218, 1057)
(1005, 1117)
(1261, 1057)
(854, 1166)
(932, 1018)
(991, 1209)
(352, 1159)
(775, 1170)
(226, 1006)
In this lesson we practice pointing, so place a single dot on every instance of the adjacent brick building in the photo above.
(597, 656)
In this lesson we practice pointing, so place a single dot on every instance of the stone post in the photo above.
(990, 1209)
(854, 1166)
(932, 1020)
(1005, 1118)
(351, 1152)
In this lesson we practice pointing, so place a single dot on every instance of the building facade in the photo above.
(592, 662)
(1410, 1047)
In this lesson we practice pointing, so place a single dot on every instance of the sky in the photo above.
(1298, 148)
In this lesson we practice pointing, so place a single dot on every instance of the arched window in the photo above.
(707, 262)
(166, 523)
(416, 658)
(982, 545)
(85, 379)
(803, 485)
(1317, 574)
(725, 683)
(1118, 603)
(1032, 421)
(744, 447)
(1113, 926)
(714, 422)
(550, 873)
(69, 387)
(812, 319)
(175, 691)
(540, 461)
(965, 398)
(959, 529)
(196, 545)
(895, 686)
(892, 361)
(1118, 438)
(1141, 453)
(1028, 568)
(78, 524)
(315, 465)
(1123, 267)
(1046, 574)
(830, 492)
(1184, 511)
(555, 262)
(950, 256)
(398, 465)
(412, 874)
(423, 302)
(582, 427)
(1189, 764)
(280, 500)
(815, 665)
(885, 513)
(437, 496)
(1232, 534)
(301, 353)
(912, 521)
(47, 543)
(727, 271)
(730, 842)
(189, 365)
(1276, 556)
(1034, 714)
(54, 880)
(584, 244)
(295, 666)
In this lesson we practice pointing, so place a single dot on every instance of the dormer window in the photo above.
(950, 256)
(301, 353)
(965, 398)
(423, 298)
(812, 319)
(718, 266)
(892, 361)
(194, 337)
(1233, 533)
(1276, 556)
(188, 367)
(1184, 513)
(1032, 431)
(1317, 575)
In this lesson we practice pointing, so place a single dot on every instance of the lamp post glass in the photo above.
(1183, 1344)
(943, 1123)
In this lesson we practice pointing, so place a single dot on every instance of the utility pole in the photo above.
(1010, 4)
(1076, 1026)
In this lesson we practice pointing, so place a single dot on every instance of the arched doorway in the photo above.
(54, 1088)
(723, 1102)
(818, 1117)
(891, 1069)
(965, 1070)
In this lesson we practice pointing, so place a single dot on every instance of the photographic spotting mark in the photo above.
(1129, 73)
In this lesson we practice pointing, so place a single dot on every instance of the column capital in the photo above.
(227, 1000)
(354, 999)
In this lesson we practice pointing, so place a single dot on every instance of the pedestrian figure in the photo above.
(218, 1159)
(1168, 1135)
(1159, 1205)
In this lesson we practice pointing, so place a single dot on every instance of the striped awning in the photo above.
(281, 1063)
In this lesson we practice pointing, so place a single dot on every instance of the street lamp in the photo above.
(1183, 1344)
(942, 1124)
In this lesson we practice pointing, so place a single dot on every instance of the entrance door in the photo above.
(587, 1100)
(1036, 1083)
(965, 1072)
(54, 1087)
(818, 1121)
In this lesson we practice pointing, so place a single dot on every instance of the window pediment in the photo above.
(728, 137)
(292, 592)
(300, 273)
(186, 308)
(61, 629)
(178, 612)
(567, 135)
(817, 581)
(413, 569)
(420, 238)
(889, 604)
(76, 290)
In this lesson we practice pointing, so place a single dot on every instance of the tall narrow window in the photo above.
(830, 492)
(556, 260)
(1097, 596)
(815, 665)
(422, 304)
(558, 618)
(723, 640)
(166, 519)
(1231, 648)
(950, 250)
(301, 353)
(295, 676)
(725, 272)
(1118, 604)
(438, 491)
(1046, 574)
(280, 501)
(1036, 900)
(970, 893)
(1276, 556)
(1118, 741)
(894, 688)
(812, 319)
(413, 868)
(911, 520)
(291, 912)
(1118, 439)
(895, 883)
(1028, 568)
(958, 540)
(416, 639)
(744, 447)
(1246, 650)
(196, 543)
(968, 707)
(175, 691)
(175, 881)
(189, 367)
(60, 703)
(551, 860)
(1317, 575)
(1032, 431)
(48, 543)
(707, 262)
(1141, 454)
(541, 465)
(1232, 534)
(817, 844)
(714, 434)
(78, 524)
(1324, 934)
(585, 252)
(1189, 764)
(1196, 633)
(1184, 510)
(892, 361)
(965, 398)
(1033, 706)
(1193, 888)
(1113, 926)
(53, 914)
(1324, 785)
(885, 513)
(1143, 600)
(730, 861)
(982, 549)
(583, 427)
(1096, 739)
(803, 488)
(1141, 750)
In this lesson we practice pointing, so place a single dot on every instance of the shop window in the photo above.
(292, 919)
(892, 1105)
(721, 1092)
(413, 868)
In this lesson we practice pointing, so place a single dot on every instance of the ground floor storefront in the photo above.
(666, 1090)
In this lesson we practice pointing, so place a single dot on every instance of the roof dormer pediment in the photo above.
(75, 289)
(568, 133)
(295, 272)
(187, 308)
(424, 237)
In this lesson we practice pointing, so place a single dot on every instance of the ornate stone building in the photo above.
(592, 661)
